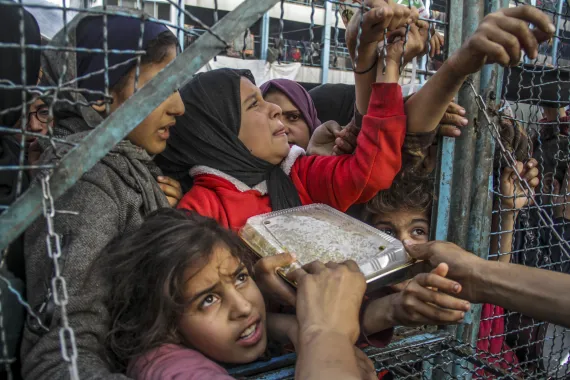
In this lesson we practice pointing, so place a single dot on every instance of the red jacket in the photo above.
(339, 181)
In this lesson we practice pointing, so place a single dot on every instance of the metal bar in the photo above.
(555, 41)
(444, 175)
(326, 52)
(114, 128)
(180, 24)
(447, 145)
(264, 36)
(481, 205)
(464, 162)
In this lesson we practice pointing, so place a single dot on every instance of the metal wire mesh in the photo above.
(536, 349)
(526, 229)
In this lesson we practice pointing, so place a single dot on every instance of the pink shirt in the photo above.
(173, 362)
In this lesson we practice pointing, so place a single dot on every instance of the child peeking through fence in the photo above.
(108, 200)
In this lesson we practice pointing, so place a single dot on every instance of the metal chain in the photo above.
(58, 283)
(543, 214)
(384, 51)
(405, 42)
(358, 35)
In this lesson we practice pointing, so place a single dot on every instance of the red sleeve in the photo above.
(201, 200)
(341, 181)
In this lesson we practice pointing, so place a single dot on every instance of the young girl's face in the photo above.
(152, 133)
(225, 319)
(404, 225)
(297, 129)
(261, 129)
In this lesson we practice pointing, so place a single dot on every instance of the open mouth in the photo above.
(164, 132)
(251, 335)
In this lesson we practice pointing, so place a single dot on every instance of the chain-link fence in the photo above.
(518, 113)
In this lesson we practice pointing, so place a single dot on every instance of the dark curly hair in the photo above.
(407, 193)
(145, 271)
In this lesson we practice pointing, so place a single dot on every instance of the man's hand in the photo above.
(329, 298)
(423, 300)
(452, 120)
(464, 266)
(171, 188)
(500, 38)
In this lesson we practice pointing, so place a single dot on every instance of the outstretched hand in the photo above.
(501, 37)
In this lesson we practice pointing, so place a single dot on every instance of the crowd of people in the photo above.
(160, 286)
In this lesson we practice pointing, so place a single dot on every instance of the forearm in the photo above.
(530, 291)
(426, 108)
(501, 242)
(363, 82)
(378, 315)
(326, 355)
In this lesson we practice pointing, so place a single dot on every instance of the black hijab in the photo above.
(207, 134)
(334, 102)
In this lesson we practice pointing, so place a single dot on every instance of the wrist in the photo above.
(367, 56)
(379, 315)
(389, 73)
(310, 334)
(481, 275)
(454, 69)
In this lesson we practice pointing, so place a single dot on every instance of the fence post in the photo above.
(461, 202)
(264, 36)
(444, 177)
(326, 52)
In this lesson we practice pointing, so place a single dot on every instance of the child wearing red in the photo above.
(233, 144)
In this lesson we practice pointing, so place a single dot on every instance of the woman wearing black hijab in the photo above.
(233, 144)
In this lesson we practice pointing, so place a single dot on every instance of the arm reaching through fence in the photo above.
(498, 39)
(530, 291)
(513, 199)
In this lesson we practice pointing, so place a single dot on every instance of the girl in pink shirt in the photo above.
(182, 300)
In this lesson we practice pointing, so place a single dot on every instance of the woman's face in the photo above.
(225, 319)
(298, 131)
(152, 133)
(261, 129)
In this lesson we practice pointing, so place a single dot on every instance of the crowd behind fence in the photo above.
(530, 99)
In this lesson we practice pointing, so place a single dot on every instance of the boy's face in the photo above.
(261, 129)
(404, 225)
(153, 132)
(225, 316)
